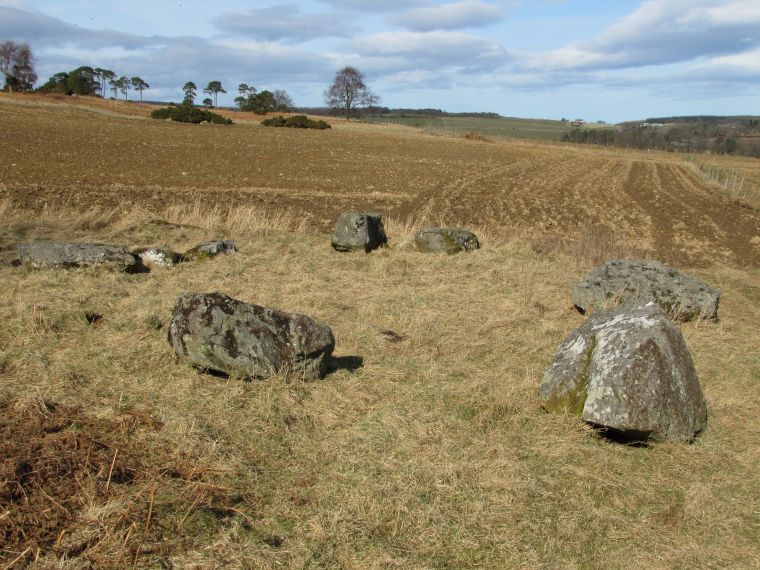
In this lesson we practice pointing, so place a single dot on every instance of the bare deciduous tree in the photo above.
(348, 92)
(17, 65)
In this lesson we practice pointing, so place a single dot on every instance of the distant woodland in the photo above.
(707, 134)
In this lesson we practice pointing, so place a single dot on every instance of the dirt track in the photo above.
(652, 203)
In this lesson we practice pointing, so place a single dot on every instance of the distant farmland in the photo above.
(538, 129)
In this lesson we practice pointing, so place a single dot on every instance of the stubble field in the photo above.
(425, 448)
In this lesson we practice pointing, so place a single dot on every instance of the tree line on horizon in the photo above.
(249, 98)
(348, 91)
(89, 81)
(738, 136)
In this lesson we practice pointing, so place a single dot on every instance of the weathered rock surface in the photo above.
(628, 369)
(49, 254)
(684, 298)
(209, 249)
(213, 331)
(353, 232)
(157, 257)
(446, 240)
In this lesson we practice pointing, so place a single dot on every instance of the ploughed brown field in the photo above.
(652, 203)
(426, 446)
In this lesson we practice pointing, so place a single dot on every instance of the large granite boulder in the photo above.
(49, 254)
(684, 298)
(353, 232)
(209, 250)
(446, 240)
(213, 331)
(628, 370)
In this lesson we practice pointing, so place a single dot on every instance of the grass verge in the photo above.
(425, 448)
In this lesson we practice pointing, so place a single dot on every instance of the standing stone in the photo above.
(684, 298)
(628, 369)
(209, 249)
(446, 240)
(49, 254)
(354, 232)
(213, 331)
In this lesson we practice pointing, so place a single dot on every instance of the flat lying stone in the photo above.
(213, 331)
(354, 232)
(209, 250)
(684, 298)
(50, 254)
(446, 240)
(628, 370)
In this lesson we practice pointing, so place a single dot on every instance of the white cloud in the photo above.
(662, 32)
(431, 50)
(381, 6)
(457, 15)
(285, 22)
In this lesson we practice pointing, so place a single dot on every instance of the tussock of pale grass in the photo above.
(434, 452)
(593, 245)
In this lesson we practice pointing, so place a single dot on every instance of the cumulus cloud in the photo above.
(457, 15)
(285, 22)
(429, 51)
(165, 62)
(381, 6)
(662, 32)
(42, 30)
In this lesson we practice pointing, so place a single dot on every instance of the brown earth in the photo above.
(652, 204)
(69, 480)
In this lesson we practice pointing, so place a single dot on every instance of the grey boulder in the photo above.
(50, 254)
(157, 257)
(353, 232)
(446, 240)
(209, 249)
(213, 331)
(628, 370)
(684, 298)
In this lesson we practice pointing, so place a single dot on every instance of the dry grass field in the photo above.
(425, 448)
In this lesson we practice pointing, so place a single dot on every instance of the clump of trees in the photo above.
(295, 122)
(17, 66)
(93, 82)
(189, 114)
(262, 102)
(214, 88)
(349, 93)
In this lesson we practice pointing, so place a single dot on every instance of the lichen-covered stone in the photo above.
(354, 232)
(213, 331)
(684, 298)
(50, 254)
(157, 257)
(209, 250)
(446, 240)
(628, 369)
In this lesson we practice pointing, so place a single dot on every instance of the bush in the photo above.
(295, 122)
(188, 114)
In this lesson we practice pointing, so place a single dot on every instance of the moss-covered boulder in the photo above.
(209, 250)
(59, 254)
(684, 298)
(446, 240)
(628, 370)
(215, 332)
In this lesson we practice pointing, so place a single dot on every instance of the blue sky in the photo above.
(598, 60)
